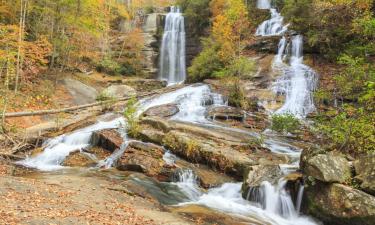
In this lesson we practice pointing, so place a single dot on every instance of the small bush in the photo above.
(285, 123)
(237, 96)
(108, 65)
(130, 114)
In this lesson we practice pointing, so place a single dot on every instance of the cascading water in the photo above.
(58, 148)
(264, 4)
(273, 26)
(172, 52)
(298, 80)
(186, 180)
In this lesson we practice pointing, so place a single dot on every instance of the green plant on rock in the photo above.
(237, 97)
(285, 123)
(130, 114)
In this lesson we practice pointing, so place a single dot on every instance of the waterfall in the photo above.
(297, 82)
(187, 182)
(264, 4)
(58, 148)
(172, 52)
(273, 26)
(273, 199)
(299, 197)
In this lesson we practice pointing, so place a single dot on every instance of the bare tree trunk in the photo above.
(20, 41)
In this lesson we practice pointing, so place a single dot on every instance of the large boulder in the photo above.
(265, 44)
(80, 92)
(254, 176)
(365, 173)
(328, 167)
(165, 111)
(144, 158)
(225, 113)
(338, 204)
(108, 139)
(119, 91)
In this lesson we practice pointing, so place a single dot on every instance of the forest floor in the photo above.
(68, 199)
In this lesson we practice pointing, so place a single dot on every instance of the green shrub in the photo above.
(241, 67)
(236, 95)
(206, 64)
(285, 123)
(130, 114)
(353, 133)
(197, 15)
(108, 65)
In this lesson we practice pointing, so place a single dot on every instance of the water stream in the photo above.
(172, 51)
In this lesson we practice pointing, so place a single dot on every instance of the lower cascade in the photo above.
(172, 51)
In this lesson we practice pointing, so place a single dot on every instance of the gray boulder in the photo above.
(328, 167)
(119, 91)
(365, 173)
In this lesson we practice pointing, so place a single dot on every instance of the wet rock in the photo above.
(79, 159)
(225, 113)
(144, 158)
(207, 177)
(329, 167)
(265, 44)
(156, 123)
(120, 91)
(108, 139)
(165, 111)
(254, 176)
(259, 173)
(339, 204)
(365, 173)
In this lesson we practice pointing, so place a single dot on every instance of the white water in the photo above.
(264, 4)
(297, 82)
(273, 26)
(58, 148)
(187, 182)
(172, 52)
(190, 101)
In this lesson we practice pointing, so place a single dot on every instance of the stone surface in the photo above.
(225, 150)
(329, 167)
(108, 139)
(339, 204)
(265, 44)
(254, 176)
(365, 172)
(225, 113)
(144, 158)
(167, 110)
(81, 93)
(119, 91)
(79, 159)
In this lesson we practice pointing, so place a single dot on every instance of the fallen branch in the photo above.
(74, 108)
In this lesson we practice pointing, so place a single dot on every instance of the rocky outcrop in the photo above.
(365, 173)
(144, 158)
(224, 150)
(150, 51)
(328, 167)
(327, 194)
(339, 204)
(119, 91)
(265, 44)
(225, 113)
(164, 111)
(86, 157)
(80, 92)
(108, 139)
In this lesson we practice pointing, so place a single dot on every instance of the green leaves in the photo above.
(285, 123)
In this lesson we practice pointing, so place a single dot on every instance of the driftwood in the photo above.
(74, 108)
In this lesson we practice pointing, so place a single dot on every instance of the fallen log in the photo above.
(74, 108)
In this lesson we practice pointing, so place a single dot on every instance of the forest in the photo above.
(187, 112)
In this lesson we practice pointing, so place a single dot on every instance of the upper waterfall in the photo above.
(264, 4)
(172, 52)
